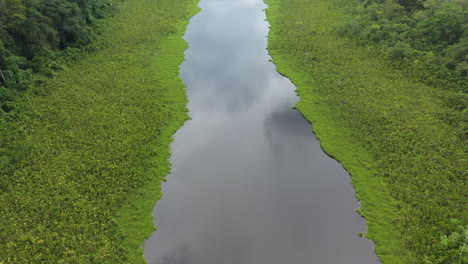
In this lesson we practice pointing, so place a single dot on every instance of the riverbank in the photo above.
(408, 166)
(89, 149)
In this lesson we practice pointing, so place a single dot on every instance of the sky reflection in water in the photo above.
(249, 184)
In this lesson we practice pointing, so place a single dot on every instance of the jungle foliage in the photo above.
(82, 155)
(401, 135)
(34, 35)
(427, 38)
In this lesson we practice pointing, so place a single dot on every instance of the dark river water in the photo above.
(249, 183)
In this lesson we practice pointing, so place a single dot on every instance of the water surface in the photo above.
(249, 183)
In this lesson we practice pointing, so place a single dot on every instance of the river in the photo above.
(249, 182)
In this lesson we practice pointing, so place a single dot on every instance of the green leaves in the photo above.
(403, 141)
(440, 23)
(408, 31)
(457, 240)
(82, 143)
(13, 9)
(34, 32)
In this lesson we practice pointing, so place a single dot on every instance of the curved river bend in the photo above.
(250, 183)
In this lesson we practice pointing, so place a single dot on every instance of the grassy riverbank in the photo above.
(408, 164)
(84, 155)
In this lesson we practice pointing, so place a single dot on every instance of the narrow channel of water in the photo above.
(250, 183)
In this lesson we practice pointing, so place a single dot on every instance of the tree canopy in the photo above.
(427, 37)
(34, 32)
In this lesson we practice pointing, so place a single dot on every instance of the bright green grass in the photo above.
(408, 167)
(89, 149)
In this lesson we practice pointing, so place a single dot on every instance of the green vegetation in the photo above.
(80, 152)
(402, 137)
(429, 38)
(35, 34)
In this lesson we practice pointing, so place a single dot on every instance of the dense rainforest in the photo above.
(384, 83)
(35, 34)
(429, 38)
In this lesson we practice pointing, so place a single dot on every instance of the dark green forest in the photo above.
(427, 38)
(36, 35)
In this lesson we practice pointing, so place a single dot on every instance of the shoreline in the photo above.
(95, 143)
(407, 161)
(377, 207)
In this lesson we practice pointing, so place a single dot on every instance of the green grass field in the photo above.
(408, 166)
(88, 150)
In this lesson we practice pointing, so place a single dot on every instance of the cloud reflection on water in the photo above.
(249, 184)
